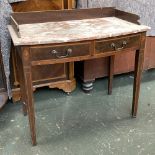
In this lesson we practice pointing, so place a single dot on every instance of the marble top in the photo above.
(73, 30)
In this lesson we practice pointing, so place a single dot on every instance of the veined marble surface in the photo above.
(74, 30)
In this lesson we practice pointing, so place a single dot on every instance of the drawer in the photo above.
(60, 51)
(117, 44)
(45, 73)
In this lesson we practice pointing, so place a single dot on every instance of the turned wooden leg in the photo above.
(111, 73)
(139, 58)
(28, 92)
(87, 86)
(14, 64)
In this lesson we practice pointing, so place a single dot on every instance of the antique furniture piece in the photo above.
(43, 75)
(3, 93)
(73, 35)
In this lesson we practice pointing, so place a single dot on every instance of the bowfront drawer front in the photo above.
(60, 51)
(117, 44)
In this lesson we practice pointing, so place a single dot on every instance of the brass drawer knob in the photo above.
(57, 54)
(114, 46)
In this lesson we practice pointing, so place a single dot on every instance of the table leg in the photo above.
(23, 99)
(139, 58)
(111, 73)
(30, 105)
(28, 92)
(21, 81)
